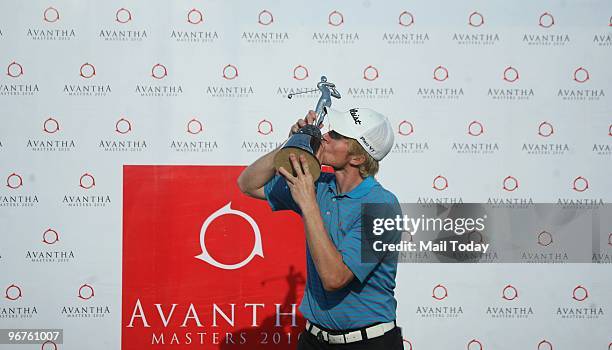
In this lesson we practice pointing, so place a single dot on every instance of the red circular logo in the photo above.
(123, 126)
(335, 18)
(610, 239)
(87, 70)
(475, 236)
(580, 293)
(13, 292)
(510, 183)
(610, 130)
(51, 15)
(50, 236)
(14, 181)
(51, 126)
(123, 15)
(195, 16)
(545, 345)
(474, 345)
(475, 19)
(370, 73)
(48, 345)
(545, 129)
(581, 75)
(406, 19)
(440, 73)
(265, 18)
(546, 20)
(264, 127)
(545, 238)
(194, 126)
(159, 71)
(511, 74)
(440, 183)
(300, 72)
(230, 72)
(14, 70)
(405, 128)
(409, 344)
(87, 181)
(439, 292)
(86, 292)
(509, 293)
(580, 184)
(475, 128)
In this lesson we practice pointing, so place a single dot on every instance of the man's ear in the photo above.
(357, 160)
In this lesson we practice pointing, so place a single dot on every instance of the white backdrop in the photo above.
(439, 70)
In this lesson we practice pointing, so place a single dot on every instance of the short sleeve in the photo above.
(278, 194)
(352, 250)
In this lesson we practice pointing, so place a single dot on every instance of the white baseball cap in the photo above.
(371, 129)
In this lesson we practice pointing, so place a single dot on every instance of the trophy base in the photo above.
(281, 159)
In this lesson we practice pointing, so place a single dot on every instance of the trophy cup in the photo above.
(307, 140)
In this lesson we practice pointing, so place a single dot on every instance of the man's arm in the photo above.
(333, 271)
(328, 261)
(252, 180)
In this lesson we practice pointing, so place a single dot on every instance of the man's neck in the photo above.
(347, 180)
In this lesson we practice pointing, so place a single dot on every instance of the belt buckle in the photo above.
(320, 336)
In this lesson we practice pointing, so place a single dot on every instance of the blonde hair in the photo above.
(370, 166)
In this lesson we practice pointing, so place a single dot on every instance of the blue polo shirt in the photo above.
(369, 297)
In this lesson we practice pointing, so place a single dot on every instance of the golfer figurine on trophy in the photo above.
(308, 139)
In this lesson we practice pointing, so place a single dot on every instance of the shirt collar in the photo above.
(361, 190)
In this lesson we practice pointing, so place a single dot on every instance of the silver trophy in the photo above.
(307, 140)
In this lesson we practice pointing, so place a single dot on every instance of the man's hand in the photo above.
(309, 119)
(301, 186)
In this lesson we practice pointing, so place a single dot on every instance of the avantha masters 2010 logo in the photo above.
(205, 265)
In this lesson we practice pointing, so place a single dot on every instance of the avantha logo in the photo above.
(123, 15)
(51, 126)
(195, 16)
(265, 18)
(475, 128)
(580, 184)
(13, 292)
(227, 210)
(370, 73)
(14, 70)
(87, 181)
(265, 127)
(300, 72)
(406, 19)
(194, 126)
(50, 236)
(509, 293)
(546, 20)
(581, 75)
(51, 15)
(510, 183)
(511, 74)
(440, 73)
(230, 72)
(439, 292)
(159, 71)
(87, 70)
(475, 19)
(474, 344)
(335, 19)
(440, 183)
(123, 126)
(580, 293)
(14, 181)
(86, 292)
(545, 238)
(545, 129)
